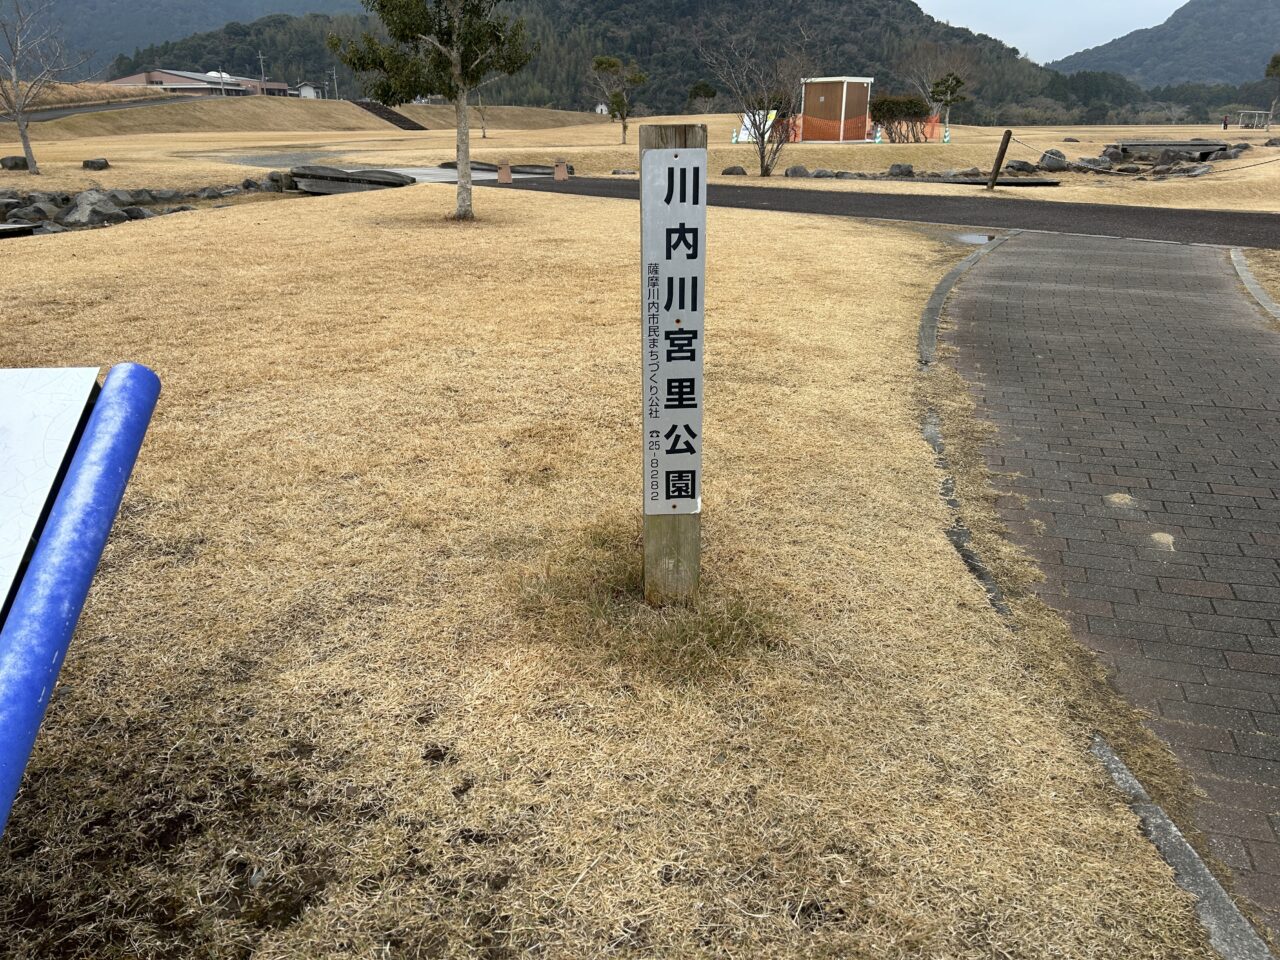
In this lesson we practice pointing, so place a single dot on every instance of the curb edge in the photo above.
(1252, 285)
(928, 337)
(1230, 933)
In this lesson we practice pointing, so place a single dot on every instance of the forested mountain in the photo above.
(110, 27)
(855, 37)
(294, 48)
(847, 37)
(1206, 42)
(879, 38)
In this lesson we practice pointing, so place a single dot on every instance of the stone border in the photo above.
(1252, 285)
(928, 340)
(1230, 934)
(931, 429)
(961, 537)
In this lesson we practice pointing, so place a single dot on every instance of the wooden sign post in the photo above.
(1000, 155)
(673, 243)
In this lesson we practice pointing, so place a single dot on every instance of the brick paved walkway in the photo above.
(1136, 388)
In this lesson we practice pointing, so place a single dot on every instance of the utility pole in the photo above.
(262, 64)
(336, 95)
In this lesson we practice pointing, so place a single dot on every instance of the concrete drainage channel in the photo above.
(1230, 934)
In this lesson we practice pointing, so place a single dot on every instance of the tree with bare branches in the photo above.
(702, 98)
(935, 70)
(945, 95)
(1273, 73)
(615, 82)
(763, 78)
(482, 113)
(32, 57)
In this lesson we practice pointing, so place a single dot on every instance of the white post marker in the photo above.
(673, 242)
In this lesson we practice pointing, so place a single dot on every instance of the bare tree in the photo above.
(927, 65)
(32, 58)
(763, 78)
(481, 108)
(1273, 73)
(702, 98)
(705, 106)
(615, 81)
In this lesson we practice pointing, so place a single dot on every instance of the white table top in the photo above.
(39, 413)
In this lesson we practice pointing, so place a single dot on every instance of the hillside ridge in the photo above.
(1204, 41)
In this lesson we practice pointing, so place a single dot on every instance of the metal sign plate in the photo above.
(673, 212)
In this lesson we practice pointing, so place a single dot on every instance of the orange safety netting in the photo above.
(811, 128)
(815, 129)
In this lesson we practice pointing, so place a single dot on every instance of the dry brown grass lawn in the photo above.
(208, 115)
(178, 160)
(595, 150)
(86, 94)
(502, 118)
(365, 672)
(194, 144)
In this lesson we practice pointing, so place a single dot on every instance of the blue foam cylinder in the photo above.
(47, 605)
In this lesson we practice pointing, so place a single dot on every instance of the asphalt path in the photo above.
(971, 208)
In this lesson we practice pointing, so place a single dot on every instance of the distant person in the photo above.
(1226, 123)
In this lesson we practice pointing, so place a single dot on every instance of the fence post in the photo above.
(1004, 149)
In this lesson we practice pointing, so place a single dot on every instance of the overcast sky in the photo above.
(1047, 32)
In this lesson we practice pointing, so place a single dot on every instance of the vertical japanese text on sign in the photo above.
(673, 243)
